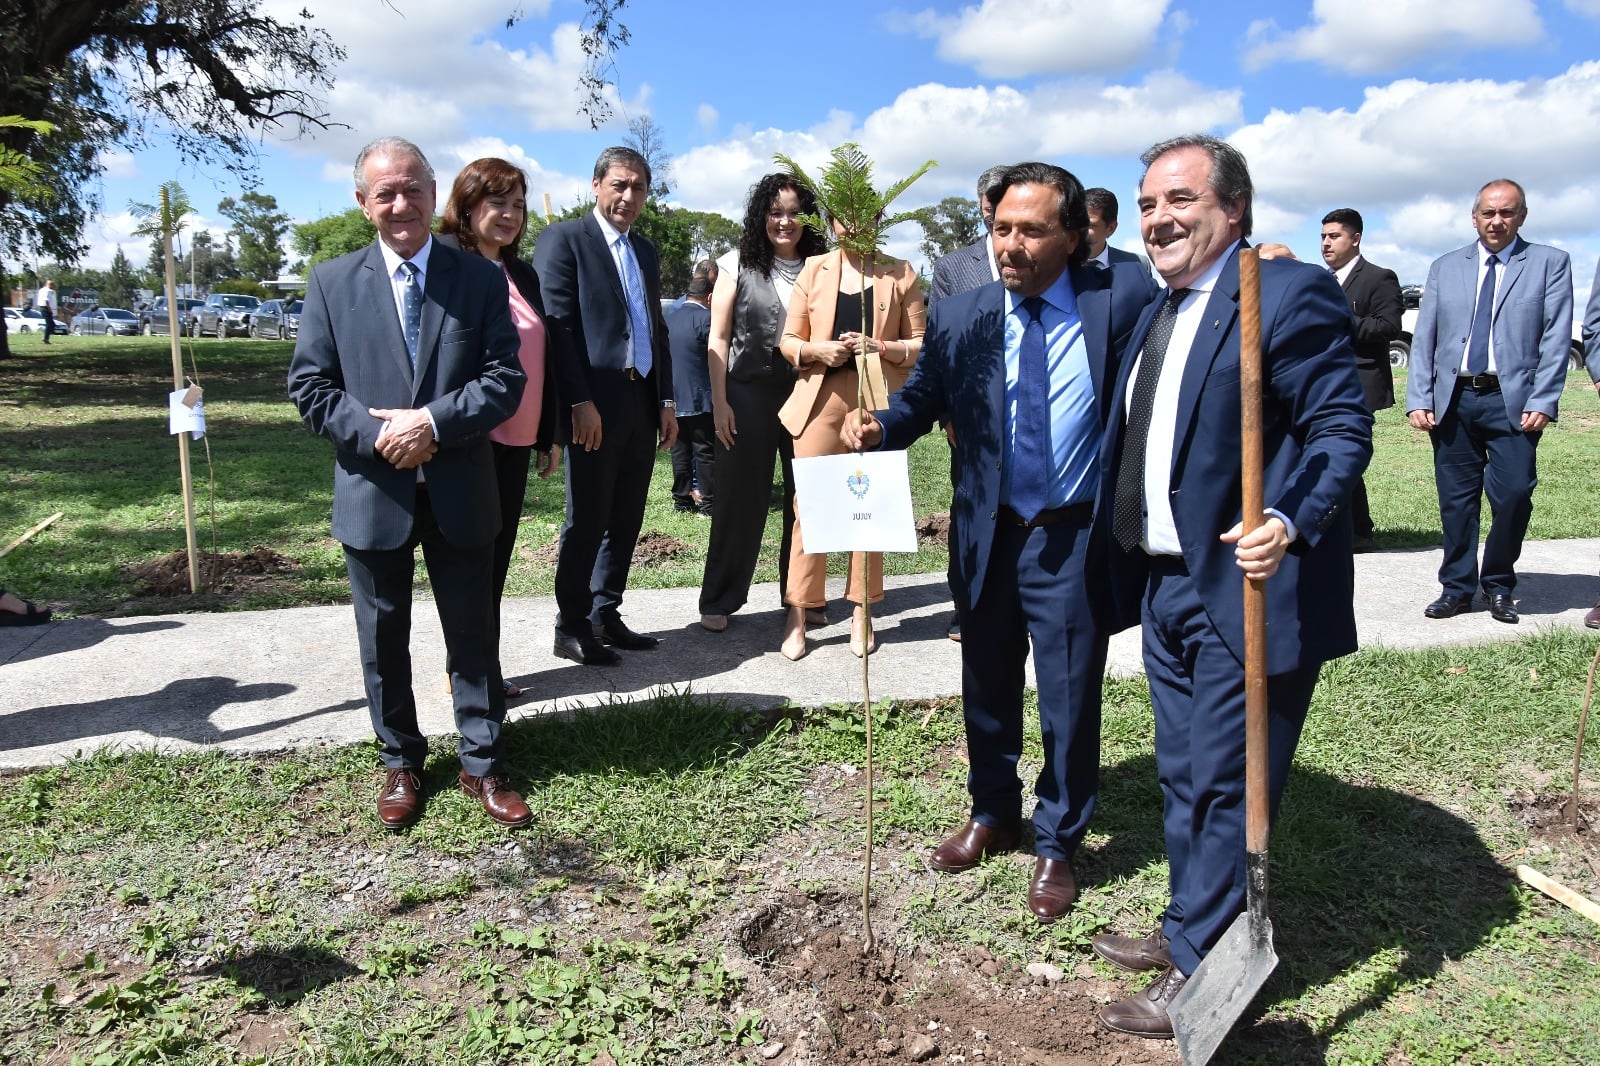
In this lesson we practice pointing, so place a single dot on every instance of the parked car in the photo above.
(1411, 296)
(107, 321)
(153, 319)
(276, 318)
(24, 320)
(224, 314)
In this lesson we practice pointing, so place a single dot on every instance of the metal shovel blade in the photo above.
(1222, 987)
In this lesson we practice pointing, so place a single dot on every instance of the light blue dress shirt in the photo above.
(1074, 418)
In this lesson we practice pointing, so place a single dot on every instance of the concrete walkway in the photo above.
(272, 680)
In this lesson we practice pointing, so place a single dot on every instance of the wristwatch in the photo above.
(671, 405)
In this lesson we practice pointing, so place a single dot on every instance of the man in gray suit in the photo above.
(972, 266)
(406, 359)
(1591, 360)
(1488, 360)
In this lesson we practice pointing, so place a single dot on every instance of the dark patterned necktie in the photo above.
(1030, 470)
(1482, 316)
(1127, 510)
(412, 307)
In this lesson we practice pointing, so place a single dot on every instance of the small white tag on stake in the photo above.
(186, 412)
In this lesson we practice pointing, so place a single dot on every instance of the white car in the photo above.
(1400, 347)
(24, 320)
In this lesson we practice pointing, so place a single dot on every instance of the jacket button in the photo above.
(993, 515)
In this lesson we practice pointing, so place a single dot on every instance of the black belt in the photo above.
(1481, 382)
(1073, 512)
(631, 374)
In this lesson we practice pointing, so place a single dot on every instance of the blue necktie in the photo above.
(412, 309)
(1031, 454)
(1478, 346)
(638, 309)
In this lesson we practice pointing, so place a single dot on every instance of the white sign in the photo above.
(186, 412)
(859, 501)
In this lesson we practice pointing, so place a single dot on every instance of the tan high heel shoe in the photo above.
(862, 643)
(794, 634)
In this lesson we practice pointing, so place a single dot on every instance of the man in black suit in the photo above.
(602, 302)
(406, 359)
(1025, 372)
(1102, 227)
(1375, 309)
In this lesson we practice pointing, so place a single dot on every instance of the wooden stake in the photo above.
(29, 535)
(1560, 893)
(177, 383)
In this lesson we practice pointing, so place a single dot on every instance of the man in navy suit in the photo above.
(1169, 541)
(694, 456)
(602, 302)
(1025, 373)
(1375, 311)
(1488, 362)
(1103, 211)
(954, 273)
(406, 359)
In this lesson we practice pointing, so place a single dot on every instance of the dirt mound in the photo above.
(829, 1002)
(935, 528)
(652, 548)
(229, 572)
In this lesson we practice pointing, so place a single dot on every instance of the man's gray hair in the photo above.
(1230, 175)
(389, 146)
(989, 179)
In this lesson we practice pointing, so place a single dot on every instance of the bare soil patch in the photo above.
(652, 549)
(934, 528)
(227, 573)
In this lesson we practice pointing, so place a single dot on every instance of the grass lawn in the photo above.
(689, 892)
(83, 431)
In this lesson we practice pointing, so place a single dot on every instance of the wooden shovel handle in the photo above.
(1255, 592)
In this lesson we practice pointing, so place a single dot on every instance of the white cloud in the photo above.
(1590, 8)
(117, 164)
(705, 118)
(1421, 150)
(1362, 36)
(1015, 38)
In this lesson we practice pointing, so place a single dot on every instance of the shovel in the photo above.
(1227, 979)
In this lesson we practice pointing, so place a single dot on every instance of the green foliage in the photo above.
(243, 286)
(847, 197)
(711, 234)
(333, 235)
(259, 228)
(19, 175)
(952, 223)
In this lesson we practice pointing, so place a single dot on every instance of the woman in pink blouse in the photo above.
(487, 213)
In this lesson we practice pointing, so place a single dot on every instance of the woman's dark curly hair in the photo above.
(479, 180)
(755, 251)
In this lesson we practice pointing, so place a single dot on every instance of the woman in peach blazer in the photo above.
(821, 338)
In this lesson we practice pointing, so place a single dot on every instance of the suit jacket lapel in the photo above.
(1515, 262)
(992, 360)
(601, 251)
(380, 298)
(1094, 312)
(437, 288)
(822, 306)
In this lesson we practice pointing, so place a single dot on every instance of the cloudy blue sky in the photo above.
(1400, 108)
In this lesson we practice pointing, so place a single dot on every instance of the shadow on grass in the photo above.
(284, 976)
(1365, 880)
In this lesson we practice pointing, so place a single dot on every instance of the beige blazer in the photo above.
(897, 315)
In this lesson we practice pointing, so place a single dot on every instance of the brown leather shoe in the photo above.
(400, 802)
(1145, 953)
(1592, 619)
(503, 802)
(1054, 889)
(973, 843)
(1146, 1014)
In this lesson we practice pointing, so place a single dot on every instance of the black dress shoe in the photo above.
(1146, 1014)
(616, 633)
(1502, 608)
(973, 843)
(1145, 953)
(1448, 606)
(585, 650)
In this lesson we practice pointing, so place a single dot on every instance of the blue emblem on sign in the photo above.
(858, 484)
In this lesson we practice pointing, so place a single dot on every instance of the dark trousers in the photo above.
(694, 459)
(1361, 511)
(1477, 451)
(49, 322)
(1197, 692)
(744, 490)
(606, 493)
(1034, 589)
(380, 586)
(511, 463)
